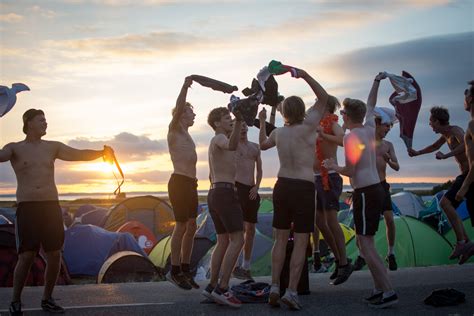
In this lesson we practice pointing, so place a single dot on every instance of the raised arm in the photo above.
(6, 153)
(67, 153)
(264, 141)
(314, 113)
(428, 149)
(230, 143)
(180, 102)
(372, 99)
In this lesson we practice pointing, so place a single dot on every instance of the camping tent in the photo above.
(9, 257)
(127, 266)
(416, 245)
(86, 247)
(151, 211)
(145, 238)
(90, 214)
(408, 203)
(9, 213)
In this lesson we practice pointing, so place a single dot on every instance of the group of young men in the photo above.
(308, 172)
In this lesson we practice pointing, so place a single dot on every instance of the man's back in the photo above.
(296, 146)
(33, 163)
(361, 145)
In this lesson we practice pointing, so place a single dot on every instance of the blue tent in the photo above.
(87, 247)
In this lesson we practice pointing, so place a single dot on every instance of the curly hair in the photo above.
(215, 115)
(440, 114)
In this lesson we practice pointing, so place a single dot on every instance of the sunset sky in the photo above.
(108, 72)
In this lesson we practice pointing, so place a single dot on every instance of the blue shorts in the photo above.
(328, 200)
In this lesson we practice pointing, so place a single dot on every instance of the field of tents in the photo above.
(130, 241)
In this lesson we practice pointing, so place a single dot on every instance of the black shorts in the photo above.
(39, 224)
(249, 207)
(293, 202)
(367, 208)
(328, 200)
(387, 201)
(451, 195)
(225, 210)
(183, 196)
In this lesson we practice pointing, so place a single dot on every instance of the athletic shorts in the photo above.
(225, 210)
(451, 195)
(249, 207)
(39, 224)
(387, 201)
(293, 202)
(183, 196)
(367, 208)
(328, 200)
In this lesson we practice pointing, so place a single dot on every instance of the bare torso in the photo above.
(453, 141)
(182, 151)
(469, 142)
(328, 150)
(383, 148)
(296, 146)
(221, 162)
(33, 163)
(365, 172)
(246, 157)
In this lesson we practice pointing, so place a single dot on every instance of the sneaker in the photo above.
(343, 274)
(392, 263)
(334, 273)
(179, 280)
(274, 297)
(291, 301)
(225, 297)
(385, 302)
(458, 250)
(189, 277)
(373, 297)
(241, 273)
(50, 306)
(468, 253)
(359, 263)
(207, 292)
(15, 308)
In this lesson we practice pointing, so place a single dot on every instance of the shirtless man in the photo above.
(368, 193)
(467, 187)
(328, 186)
(224, 205)
(454, 137)
(385, 156)
(182, 190)
(39, 221)
(248, 158)
(293, 194)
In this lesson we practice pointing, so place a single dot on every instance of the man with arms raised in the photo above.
(182, 190)
(454, 137)
(293, 194)
(39, 221)
(361, 168)
(248, 157)
(467, 187)
(224, 205)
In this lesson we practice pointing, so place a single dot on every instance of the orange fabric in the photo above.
(326, 123)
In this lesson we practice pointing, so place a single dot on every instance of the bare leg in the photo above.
(321, 222)
(230, 257)
(188, 241)
(454, 219)
(279, 253)
(390, 225)
(249, 238)
(176, 242)
(20, 275)
(298, 256)
(217, 257)
(338, 235)
(53, 265)
(375, 264)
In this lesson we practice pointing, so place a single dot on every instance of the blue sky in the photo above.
(110, 71)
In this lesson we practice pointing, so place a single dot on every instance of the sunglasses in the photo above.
(342, 112)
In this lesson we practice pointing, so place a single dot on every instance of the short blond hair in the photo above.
(355, 109)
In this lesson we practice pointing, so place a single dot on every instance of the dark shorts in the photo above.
(225, 210)
(249, 207)
(328, 200)
(387, 201)
(293, 202)
(451, 195)
(183, 196)
(39, 224)
(367, 208)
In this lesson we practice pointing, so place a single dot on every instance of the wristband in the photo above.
(377, 80)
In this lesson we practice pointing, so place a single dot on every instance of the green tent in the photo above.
(160, 252)
(451, 237)
(266, 206)
(416, 245)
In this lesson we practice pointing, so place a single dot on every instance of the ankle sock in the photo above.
(175, 269)
(185, 267)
